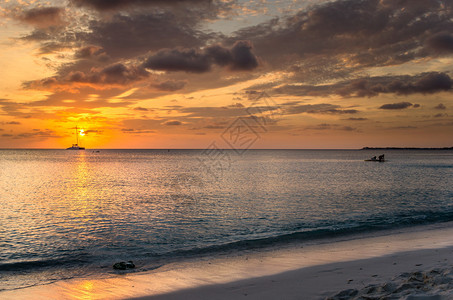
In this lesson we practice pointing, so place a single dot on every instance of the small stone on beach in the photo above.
(124, 265)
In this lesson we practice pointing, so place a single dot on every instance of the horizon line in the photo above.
(363, 148)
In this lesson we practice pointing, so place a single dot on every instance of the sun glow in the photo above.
(82, 132)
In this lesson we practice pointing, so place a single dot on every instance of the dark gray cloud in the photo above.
(137, 131)
(323, 108)
(239, 57)
(325, 126)
(12, 108)
(170, 85)
(440, 106)
(237, 104)
(172, 123)
(92, 132)
(356, 119)
(43, 17)
(51, 40)
(140, 108)
(10, 123)
(215, 126)
(348, 128)
(37, 133)
(440, 115)
(38, 35)
(120, 74)
(425, 83)
(441, 42)
(189, 60)
(238, 110)
(252, 94)
(213, 112)
(126, 36)
(242, 57)
(116, 74)
(402, 127)
(92, 52)
(431, 83)
(336, 38)
(87, 52)
(399, 105)
(116, 4)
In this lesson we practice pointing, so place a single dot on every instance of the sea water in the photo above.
(66, 214)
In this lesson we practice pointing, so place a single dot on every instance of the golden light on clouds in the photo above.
(132, 77)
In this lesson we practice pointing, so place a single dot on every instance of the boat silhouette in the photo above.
(76, 145)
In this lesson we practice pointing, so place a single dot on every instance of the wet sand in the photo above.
(414, 263)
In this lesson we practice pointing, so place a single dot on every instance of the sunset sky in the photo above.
(185, 73)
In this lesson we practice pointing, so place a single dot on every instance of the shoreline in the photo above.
(307, 270)
(335, 281)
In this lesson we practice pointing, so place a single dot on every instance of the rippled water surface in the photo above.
(73, 213)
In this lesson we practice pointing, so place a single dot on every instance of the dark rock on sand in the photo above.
(124, 265)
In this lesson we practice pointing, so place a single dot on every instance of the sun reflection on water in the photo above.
(82, 211)
(80, 189)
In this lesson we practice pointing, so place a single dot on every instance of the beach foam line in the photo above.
(302, 271)
(429, 277)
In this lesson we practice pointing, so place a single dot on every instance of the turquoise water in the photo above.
(65, 214)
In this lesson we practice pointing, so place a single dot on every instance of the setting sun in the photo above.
(169, 79)
(216, 149)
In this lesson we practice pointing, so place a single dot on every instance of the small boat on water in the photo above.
(374, 158)
(76, 145)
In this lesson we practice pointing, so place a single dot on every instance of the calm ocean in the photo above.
(66, 214)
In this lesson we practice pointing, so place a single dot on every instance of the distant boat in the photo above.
(76, 145)
(374, 158)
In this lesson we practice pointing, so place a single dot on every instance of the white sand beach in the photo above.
(414, 263)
